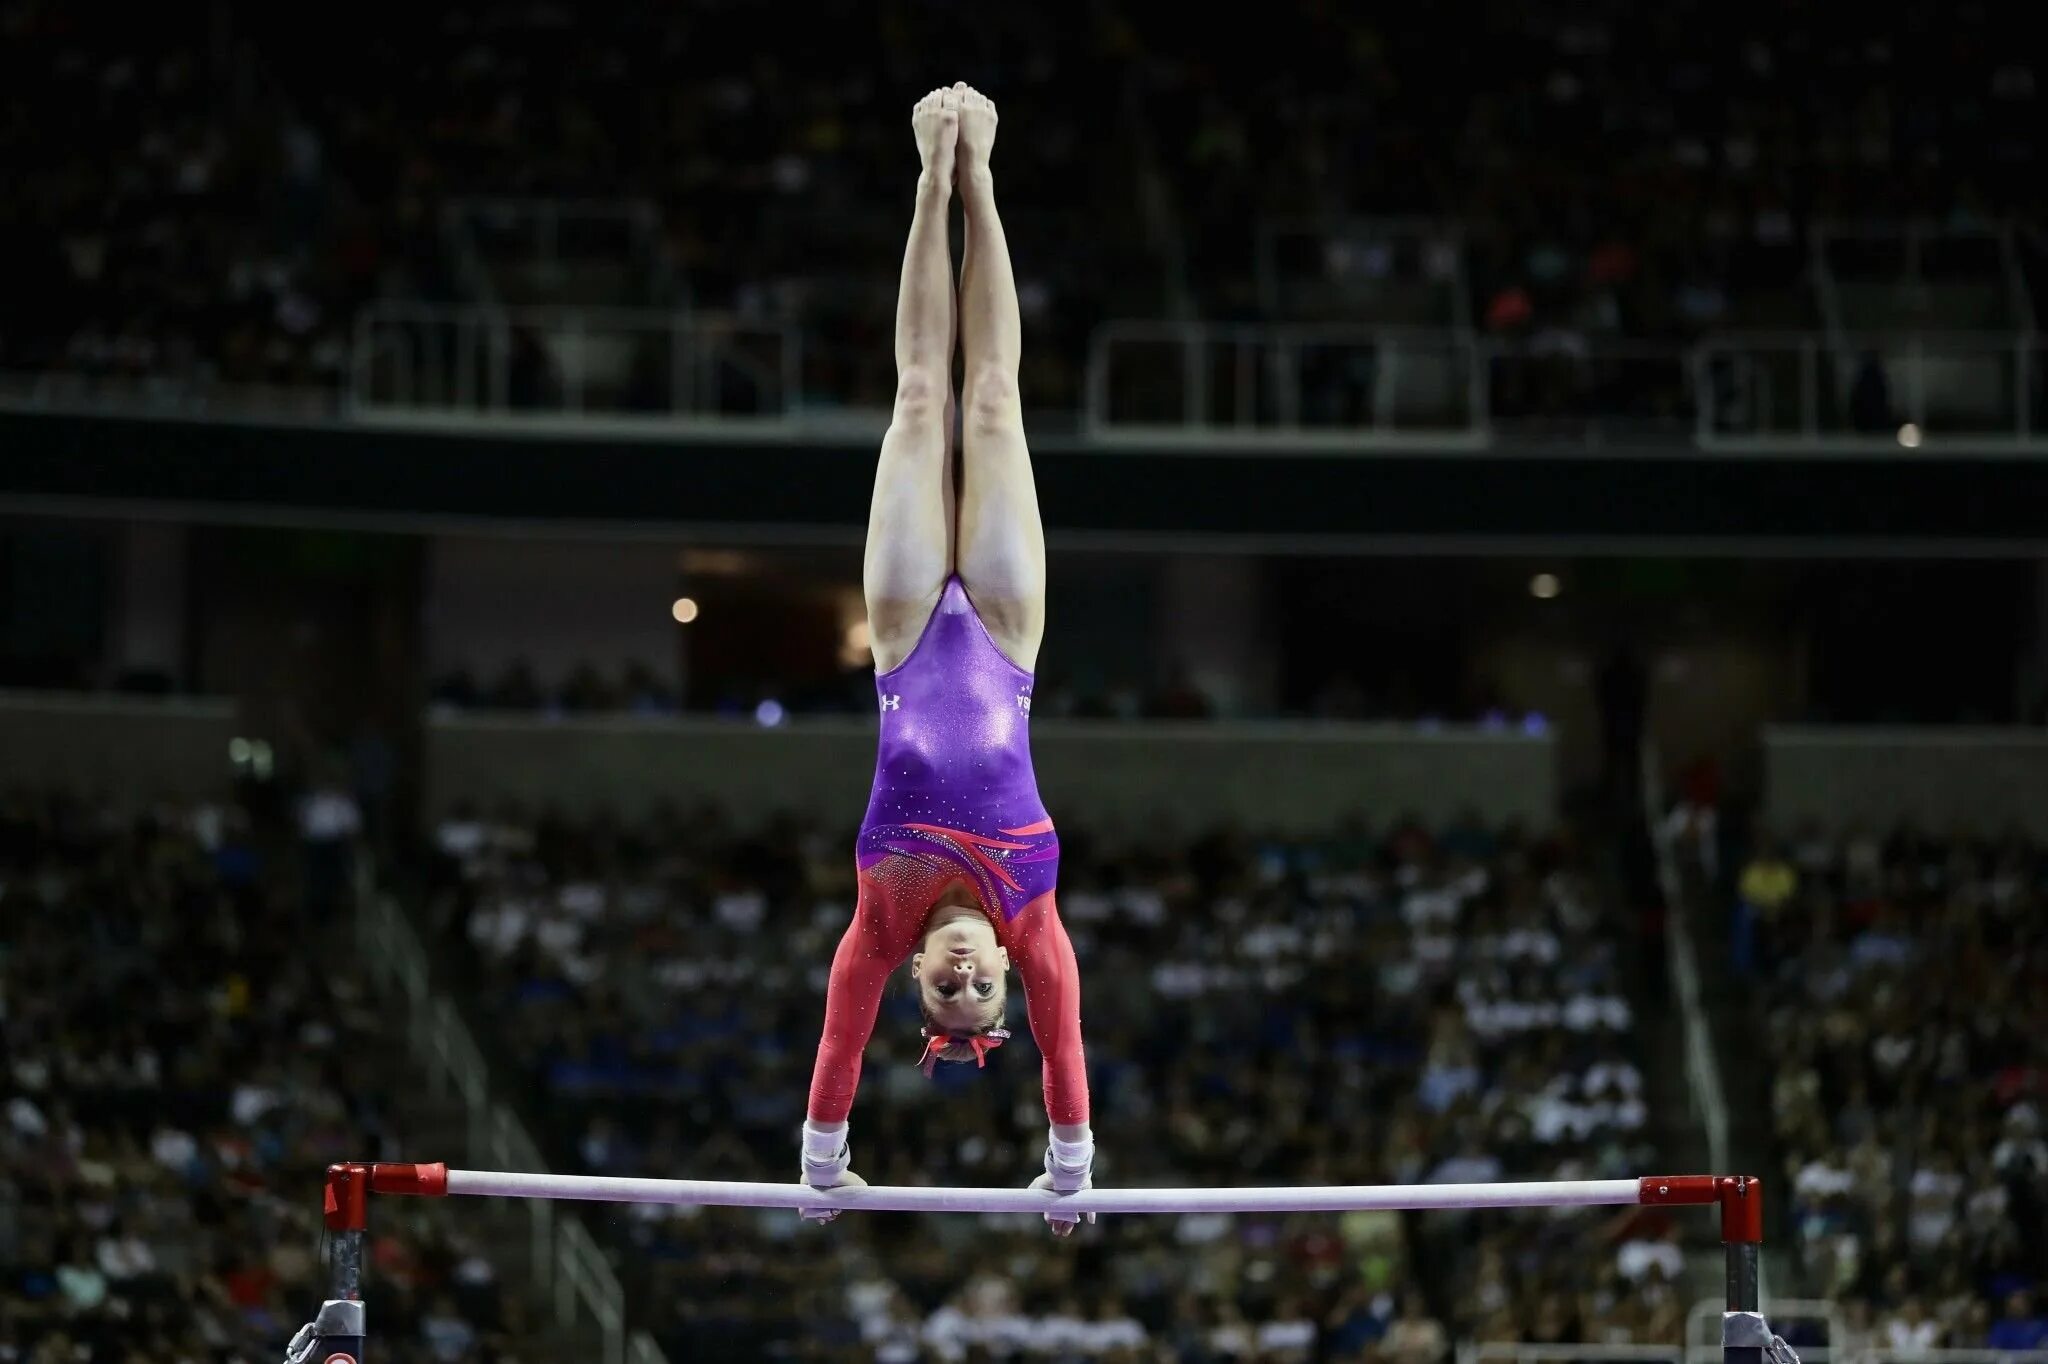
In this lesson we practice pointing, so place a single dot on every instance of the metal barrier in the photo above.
(1193, 382)
(1349, 387)
(415, 360)
(1527, 1352)
(1863, 391)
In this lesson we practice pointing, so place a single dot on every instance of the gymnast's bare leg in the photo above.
(911, 519)
(1002, 544)
(1001, 549)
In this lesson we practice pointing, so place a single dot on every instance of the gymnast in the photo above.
(956, 857)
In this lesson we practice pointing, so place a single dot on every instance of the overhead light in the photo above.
(1544, 586)
(685, 610)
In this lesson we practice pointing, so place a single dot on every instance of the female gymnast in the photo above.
(957, 856)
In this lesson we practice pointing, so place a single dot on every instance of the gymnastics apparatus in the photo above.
(338, 1334)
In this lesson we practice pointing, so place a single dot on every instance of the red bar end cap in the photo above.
(1742, 1208)
(346, 1205)
(420, 1181)
(1677, 1190)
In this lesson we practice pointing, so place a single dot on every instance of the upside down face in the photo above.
(961, 972)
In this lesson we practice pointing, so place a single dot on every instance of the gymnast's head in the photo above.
(961, 975)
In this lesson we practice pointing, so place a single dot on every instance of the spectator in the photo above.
(1415, 1337)
(1768, 884)
(2021, 1327)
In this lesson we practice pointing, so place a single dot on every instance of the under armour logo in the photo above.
(892, 702)
(1024, 702)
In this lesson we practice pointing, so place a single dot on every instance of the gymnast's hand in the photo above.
(1063, 1224)
(1069, 1168)
(827, 1156)
(847, 1179)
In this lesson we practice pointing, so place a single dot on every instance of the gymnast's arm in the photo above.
(1045, 962)
(868, 952)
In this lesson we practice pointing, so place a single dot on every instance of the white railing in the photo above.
(1292, 385)
(418, 360)
(563, 1254)
(1861, 391)
(656, 372)
(1702, 1061)
(1352, 387)
(1527, 1352)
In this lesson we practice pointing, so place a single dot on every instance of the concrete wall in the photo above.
(555, 603)
(141, 748)
(1166, 777)
(1985, 779)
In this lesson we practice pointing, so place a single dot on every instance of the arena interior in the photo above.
(1544, 672)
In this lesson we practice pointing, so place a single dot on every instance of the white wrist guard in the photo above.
(826, 1153)
(1070, 1163)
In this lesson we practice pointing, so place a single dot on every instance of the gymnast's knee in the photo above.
(921, 397)
(992, 400)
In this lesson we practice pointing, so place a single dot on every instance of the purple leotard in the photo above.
(953, 779)
(954, 799)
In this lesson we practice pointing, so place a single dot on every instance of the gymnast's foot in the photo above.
(977, 132)
(936, 121)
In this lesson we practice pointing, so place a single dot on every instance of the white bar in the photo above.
(883, 1198)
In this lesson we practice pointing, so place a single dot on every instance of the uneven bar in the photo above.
(883, 1198)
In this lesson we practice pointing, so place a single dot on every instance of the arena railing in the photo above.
(1303, 386)
(423, 362)
(1860, 392)
(1544, 1352)
(1354, 388)
(564, 1259)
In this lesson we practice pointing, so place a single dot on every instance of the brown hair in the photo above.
(950, 1044)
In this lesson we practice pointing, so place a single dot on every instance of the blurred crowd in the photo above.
(216, 200)
(180, 1064)
(1905, 978)
(1396, 1005)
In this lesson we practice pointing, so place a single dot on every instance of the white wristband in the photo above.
(823, 1141)
(1072, 1154)
(1070, 1163)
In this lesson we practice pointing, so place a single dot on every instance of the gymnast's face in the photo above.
(961, 970)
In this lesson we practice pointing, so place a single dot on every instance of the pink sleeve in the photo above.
(1044, 958)
(872, 947)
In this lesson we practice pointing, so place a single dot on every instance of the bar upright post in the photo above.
(1745, 1337)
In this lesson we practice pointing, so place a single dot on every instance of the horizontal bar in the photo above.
(883, 1198)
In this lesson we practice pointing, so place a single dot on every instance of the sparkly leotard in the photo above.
(954, 799)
